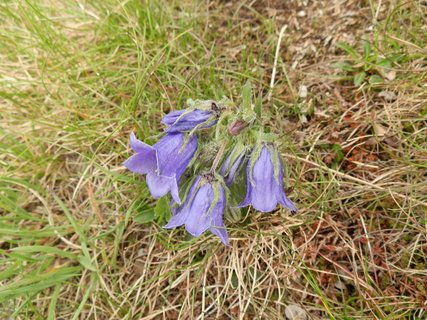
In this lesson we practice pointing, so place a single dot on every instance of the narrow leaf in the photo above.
(366, 49)
(85, 262)
(347, 48)
(246, 96)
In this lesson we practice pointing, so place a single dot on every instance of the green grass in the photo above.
(77, 77)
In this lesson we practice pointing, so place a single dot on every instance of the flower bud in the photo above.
(232, 164)
(236, 127)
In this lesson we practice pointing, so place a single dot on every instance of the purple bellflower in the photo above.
(163, 163)
(187, 119)
(265, 181)
(203, 209)
(232, 164)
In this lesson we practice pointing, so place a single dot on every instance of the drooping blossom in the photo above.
(202, 209)
(163, 163)
(265, 181)
(187, 119)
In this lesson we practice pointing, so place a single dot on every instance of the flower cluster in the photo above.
(207, 193)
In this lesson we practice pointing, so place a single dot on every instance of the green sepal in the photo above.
(216, 184)
(220, 131)
(275, 159)
(187, 137)
(198, 104)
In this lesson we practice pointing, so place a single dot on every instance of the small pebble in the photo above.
(295, 312)
(303, 92)
(387, 95)
(301, 13)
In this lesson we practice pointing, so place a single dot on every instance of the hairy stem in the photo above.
(218, 158)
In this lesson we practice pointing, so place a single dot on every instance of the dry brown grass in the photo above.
(78, 82)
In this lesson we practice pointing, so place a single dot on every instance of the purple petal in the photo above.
(178, 219)
(160, 185)
(263, 194)
(173, 158)
(220, 232)
(280, 192)
(265, 188)
(234, 168)
(197, 213)
(180, 213)
(284, 201)
(224, 166)
(193, 213)
(217, 227)
(137, 145)
(171, 117)
(177, 122)
(247, 201)
(198, 221)
(143, 162)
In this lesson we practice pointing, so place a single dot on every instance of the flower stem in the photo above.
(218, 158)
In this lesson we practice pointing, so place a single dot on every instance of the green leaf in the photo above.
(32, 283)
(44, 250)
(53, 301)
(234, 280)
(339, 154)
(83, 300)
(375, 79)
(347, 48)
(162, 210)
(344, 66)
(247, 113)
(384, 63)
(367, 49)
(145, 216)
(247, 96)
(359, 78)
(85, 262)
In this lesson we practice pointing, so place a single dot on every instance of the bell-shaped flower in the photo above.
(187, 119)
(163, 163)
(265, 181)
(202, 209)
(231, 165)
